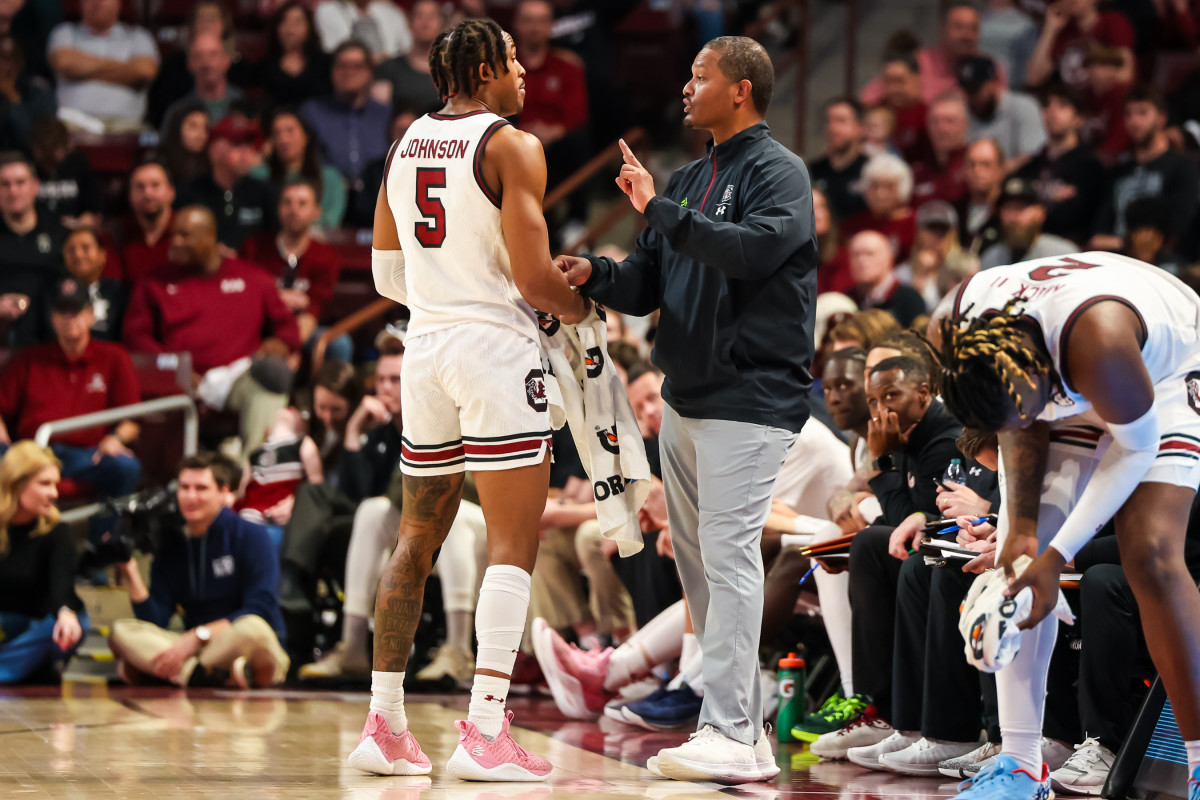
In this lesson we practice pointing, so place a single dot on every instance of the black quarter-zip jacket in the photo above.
(730, 256)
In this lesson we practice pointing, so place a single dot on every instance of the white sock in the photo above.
(387, 699)
(691, 646)
(691, 672)
(1026, 749)
(499, 623)
(458, 630)
(660, 640)
(1193, 756)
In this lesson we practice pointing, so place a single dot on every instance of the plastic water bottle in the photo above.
(792, 692)
(955, 473)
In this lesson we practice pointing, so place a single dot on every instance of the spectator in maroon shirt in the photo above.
(1103, 105)
(146, 236)
(218, 309)
(556, 102)
(940, 177)
(1071, 27)
(306, 270)
(901, 79)
(887, 183)
(833, 274)
(73, 375)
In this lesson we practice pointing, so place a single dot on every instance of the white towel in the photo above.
(585, 392)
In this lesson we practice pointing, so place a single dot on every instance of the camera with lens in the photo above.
(139, 523)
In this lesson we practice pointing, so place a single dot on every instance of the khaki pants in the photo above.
(137, 643)
(558, 594)
(256, 409)
(611, 605)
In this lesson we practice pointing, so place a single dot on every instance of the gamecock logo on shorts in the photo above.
(1192, 382)
(535, 390)
(594, 361)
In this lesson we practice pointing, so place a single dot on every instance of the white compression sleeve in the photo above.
(1131, 454)
(387, 267)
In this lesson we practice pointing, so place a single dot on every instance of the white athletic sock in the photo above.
(1193, 756)
(691, 646)
(691, 672)
(1021, 691)
(660, 640)
(458, 630)
(387, 699)
(499, 623)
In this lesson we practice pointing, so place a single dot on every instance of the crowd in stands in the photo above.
(1020, 130)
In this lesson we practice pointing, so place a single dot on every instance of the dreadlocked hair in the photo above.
(456, 54)
(985, 361)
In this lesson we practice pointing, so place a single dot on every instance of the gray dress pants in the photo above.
(719, 477)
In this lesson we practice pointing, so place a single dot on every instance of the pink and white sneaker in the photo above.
(382, 752)
(575, 677)
(477, 759)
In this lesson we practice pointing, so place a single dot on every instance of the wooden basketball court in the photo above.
(89, 741)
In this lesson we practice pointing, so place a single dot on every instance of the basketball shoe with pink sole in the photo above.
(502, 759)
(382, 752)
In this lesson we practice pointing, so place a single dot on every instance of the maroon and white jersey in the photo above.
(1054, 291)
(448, 219)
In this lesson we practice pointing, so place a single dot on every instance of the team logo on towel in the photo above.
(608, 439)
(594, 361)
(535, 390)
(1192, 382)
(547, 323)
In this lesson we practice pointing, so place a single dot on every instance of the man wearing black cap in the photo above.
(1021, 218)
(243, 206)
(1012, 119)
(73, 375)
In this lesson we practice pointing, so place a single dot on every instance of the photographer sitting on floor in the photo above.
(223, 572)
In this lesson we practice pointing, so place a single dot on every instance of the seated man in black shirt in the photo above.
(243, 206)
(31, 242)
(85, 258)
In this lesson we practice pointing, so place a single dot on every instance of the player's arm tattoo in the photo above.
(1025, 452)
(430, 504)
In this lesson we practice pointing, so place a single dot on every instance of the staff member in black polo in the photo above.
(730, 257)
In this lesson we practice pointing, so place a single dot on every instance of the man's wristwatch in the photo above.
(884, 463)
(203, 634)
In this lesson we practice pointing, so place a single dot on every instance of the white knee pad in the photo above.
(500, 616)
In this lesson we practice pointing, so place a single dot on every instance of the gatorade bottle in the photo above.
(792, 705)
(955, 473)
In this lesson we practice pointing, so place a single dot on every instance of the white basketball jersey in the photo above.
(1054, 291)
(455, 258)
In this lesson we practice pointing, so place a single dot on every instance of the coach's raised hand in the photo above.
(576, 268)
(634, 180)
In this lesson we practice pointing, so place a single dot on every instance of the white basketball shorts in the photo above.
(474, 397)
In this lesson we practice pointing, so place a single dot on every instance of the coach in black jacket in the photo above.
(729, 256)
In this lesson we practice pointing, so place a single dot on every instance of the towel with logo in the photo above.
(585, 393)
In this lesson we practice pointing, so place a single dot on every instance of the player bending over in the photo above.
(1089, 368)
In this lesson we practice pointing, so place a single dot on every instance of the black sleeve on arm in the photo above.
(1182, 195)
(778, 220)
(632, 286)
(356, 472)
(895, 495)
(62, 571)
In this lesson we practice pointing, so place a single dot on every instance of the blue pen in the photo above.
(808, 574)
(952, 528)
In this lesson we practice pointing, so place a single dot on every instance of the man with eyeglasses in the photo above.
(352, 128)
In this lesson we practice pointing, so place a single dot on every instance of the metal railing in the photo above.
(633, 137)
(180, 402)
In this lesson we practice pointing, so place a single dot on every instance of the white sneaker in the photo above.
(868, 755)
(957, 767)
(1086, 771)
(1055, 753)
(765, 756)
(924, 756)
(863, 732)
(709, 755)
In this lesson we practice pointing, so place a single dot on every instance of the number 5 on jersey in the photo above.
(433, 232)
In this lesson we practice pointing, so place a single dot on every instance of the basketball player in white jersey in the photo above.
(460, 238)
(1088, 366)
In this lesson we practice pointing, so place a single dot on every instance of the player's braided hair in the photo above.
(984, 362)
(456, 54)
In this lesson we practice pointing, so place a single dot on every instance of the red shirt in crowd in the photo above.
(316, 272)
(932, 181)
(900, 230)
(555, 93)
(42, 384)
(139, 259)
(834, 275)
(909, 134)
(1112, 29)
(1103, 127)
(218, 318)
